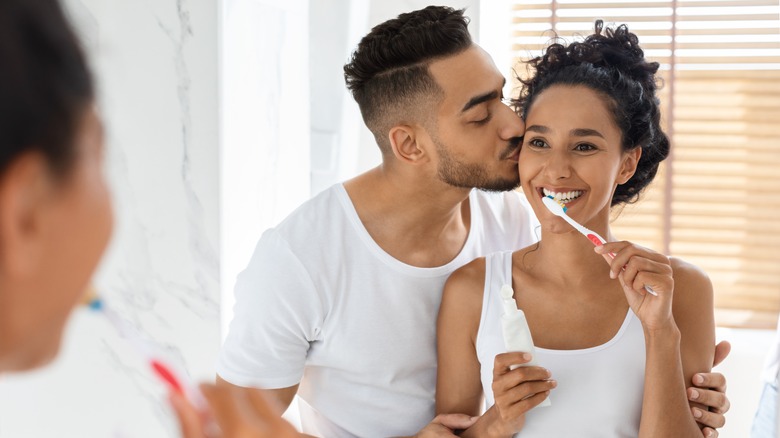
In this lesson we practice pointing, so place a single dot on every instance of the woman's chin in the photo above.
(29, 359)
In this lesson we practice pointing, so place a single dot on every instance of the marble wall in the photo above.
(156, 64)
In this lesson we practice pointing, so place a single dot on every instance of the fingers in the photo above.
(512, 378)
(711, 419)
(722, 350)
(638, 266)
(455, 421)
(710, 433)
(189, 419)
(519, 376)
(716, 381)
(519, 390)
(639, 271)
(512, 411)
(524, 391)
(503, 362)
(717, 401)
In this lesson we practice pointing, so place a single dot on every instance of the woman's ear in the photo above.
(630, 163)
(23, 195)
(404, 144)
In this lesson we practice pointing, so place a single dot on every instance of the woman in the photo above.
(613, 359)
(55, 211)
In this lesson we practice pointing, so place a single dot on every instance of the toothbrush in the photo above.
(559, 210)
(159, 367)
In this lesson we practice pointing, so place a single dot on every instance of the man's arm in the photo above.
(231, 413)
(277, 315)
(280, 398)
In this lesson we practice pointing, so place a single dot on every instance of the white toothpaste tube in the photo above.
(517, 335)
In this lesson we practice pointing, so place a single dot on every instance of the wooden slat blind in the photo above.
(716, 201)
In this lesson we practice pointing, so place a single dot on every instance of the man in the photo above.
(339, 301)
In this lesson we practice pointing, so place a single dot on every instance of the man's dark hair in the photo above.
(388, 72)
(45, 84)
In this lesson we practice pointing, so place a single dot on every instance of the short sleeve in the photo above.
(277, 314)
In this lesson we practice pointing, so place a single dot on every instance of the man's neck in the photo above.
(420, 222)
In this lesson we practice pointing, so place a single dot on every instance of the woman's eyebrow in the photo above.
(584, 132)
(538, 128)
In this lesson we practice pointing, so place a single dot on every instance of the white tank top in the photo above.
(600, 389)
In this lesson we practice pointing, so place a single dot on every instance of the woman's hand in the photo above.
(234, 414)
(636, 267)
(518, 391)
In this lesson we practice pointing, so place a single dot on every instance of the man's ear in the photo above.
(630, 162)
(24, 191)
(404, 143)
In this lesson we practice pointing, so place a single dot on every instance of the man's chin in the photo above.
(500, 185)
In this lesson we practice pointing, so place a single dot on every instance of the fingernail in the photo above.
(527, 356)
(696, 413)
(709, 432)
(554, 383)
(694, 394)
(612, 275)
(598, 249)
(549, 374)
(473, 418)
(698, 379)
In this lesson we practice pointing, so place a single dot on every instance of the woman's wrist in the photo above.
(665, 332)
(496, 427)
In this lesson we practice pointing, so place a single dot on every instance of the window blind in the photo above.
(716, 200)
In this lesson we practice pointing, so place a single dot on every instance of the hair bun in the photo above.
(618, 49)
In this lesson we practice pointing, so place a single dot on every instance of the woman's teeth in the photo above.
(563, 197)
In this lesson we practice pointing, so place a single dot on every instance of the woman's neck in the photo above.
(570, 259)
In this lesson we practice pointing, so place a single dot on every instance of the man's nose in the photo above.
(513, 126)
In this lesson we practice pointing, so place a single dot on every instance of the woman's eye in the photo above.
(537, 143)
(584, 147)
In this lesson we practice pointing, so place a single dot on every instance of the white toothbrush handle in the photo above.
(598, 241)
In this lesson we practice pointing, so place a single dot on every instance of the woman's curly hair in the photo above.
(611, 63)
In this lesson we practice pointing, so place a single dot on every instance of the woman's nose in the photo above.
(558, 166)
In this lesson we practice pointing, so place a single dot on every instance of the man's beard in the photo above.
(458, 174)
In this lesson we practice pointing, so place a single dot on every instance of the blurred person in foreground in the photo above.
(55, 207)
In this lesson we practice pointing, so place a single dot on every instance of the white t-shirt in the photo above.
(600, 389)
(322, 304)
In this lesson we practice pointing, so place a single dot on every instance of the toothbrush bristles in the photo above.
(563, 206)
(95, 304)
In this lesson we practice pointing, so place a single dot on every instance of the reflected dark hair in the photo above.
(388, 72)
(611, 63)
(45, 84)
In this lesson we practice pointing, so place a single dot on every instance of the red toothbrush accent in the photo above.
(164, 373)
(598, 242)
